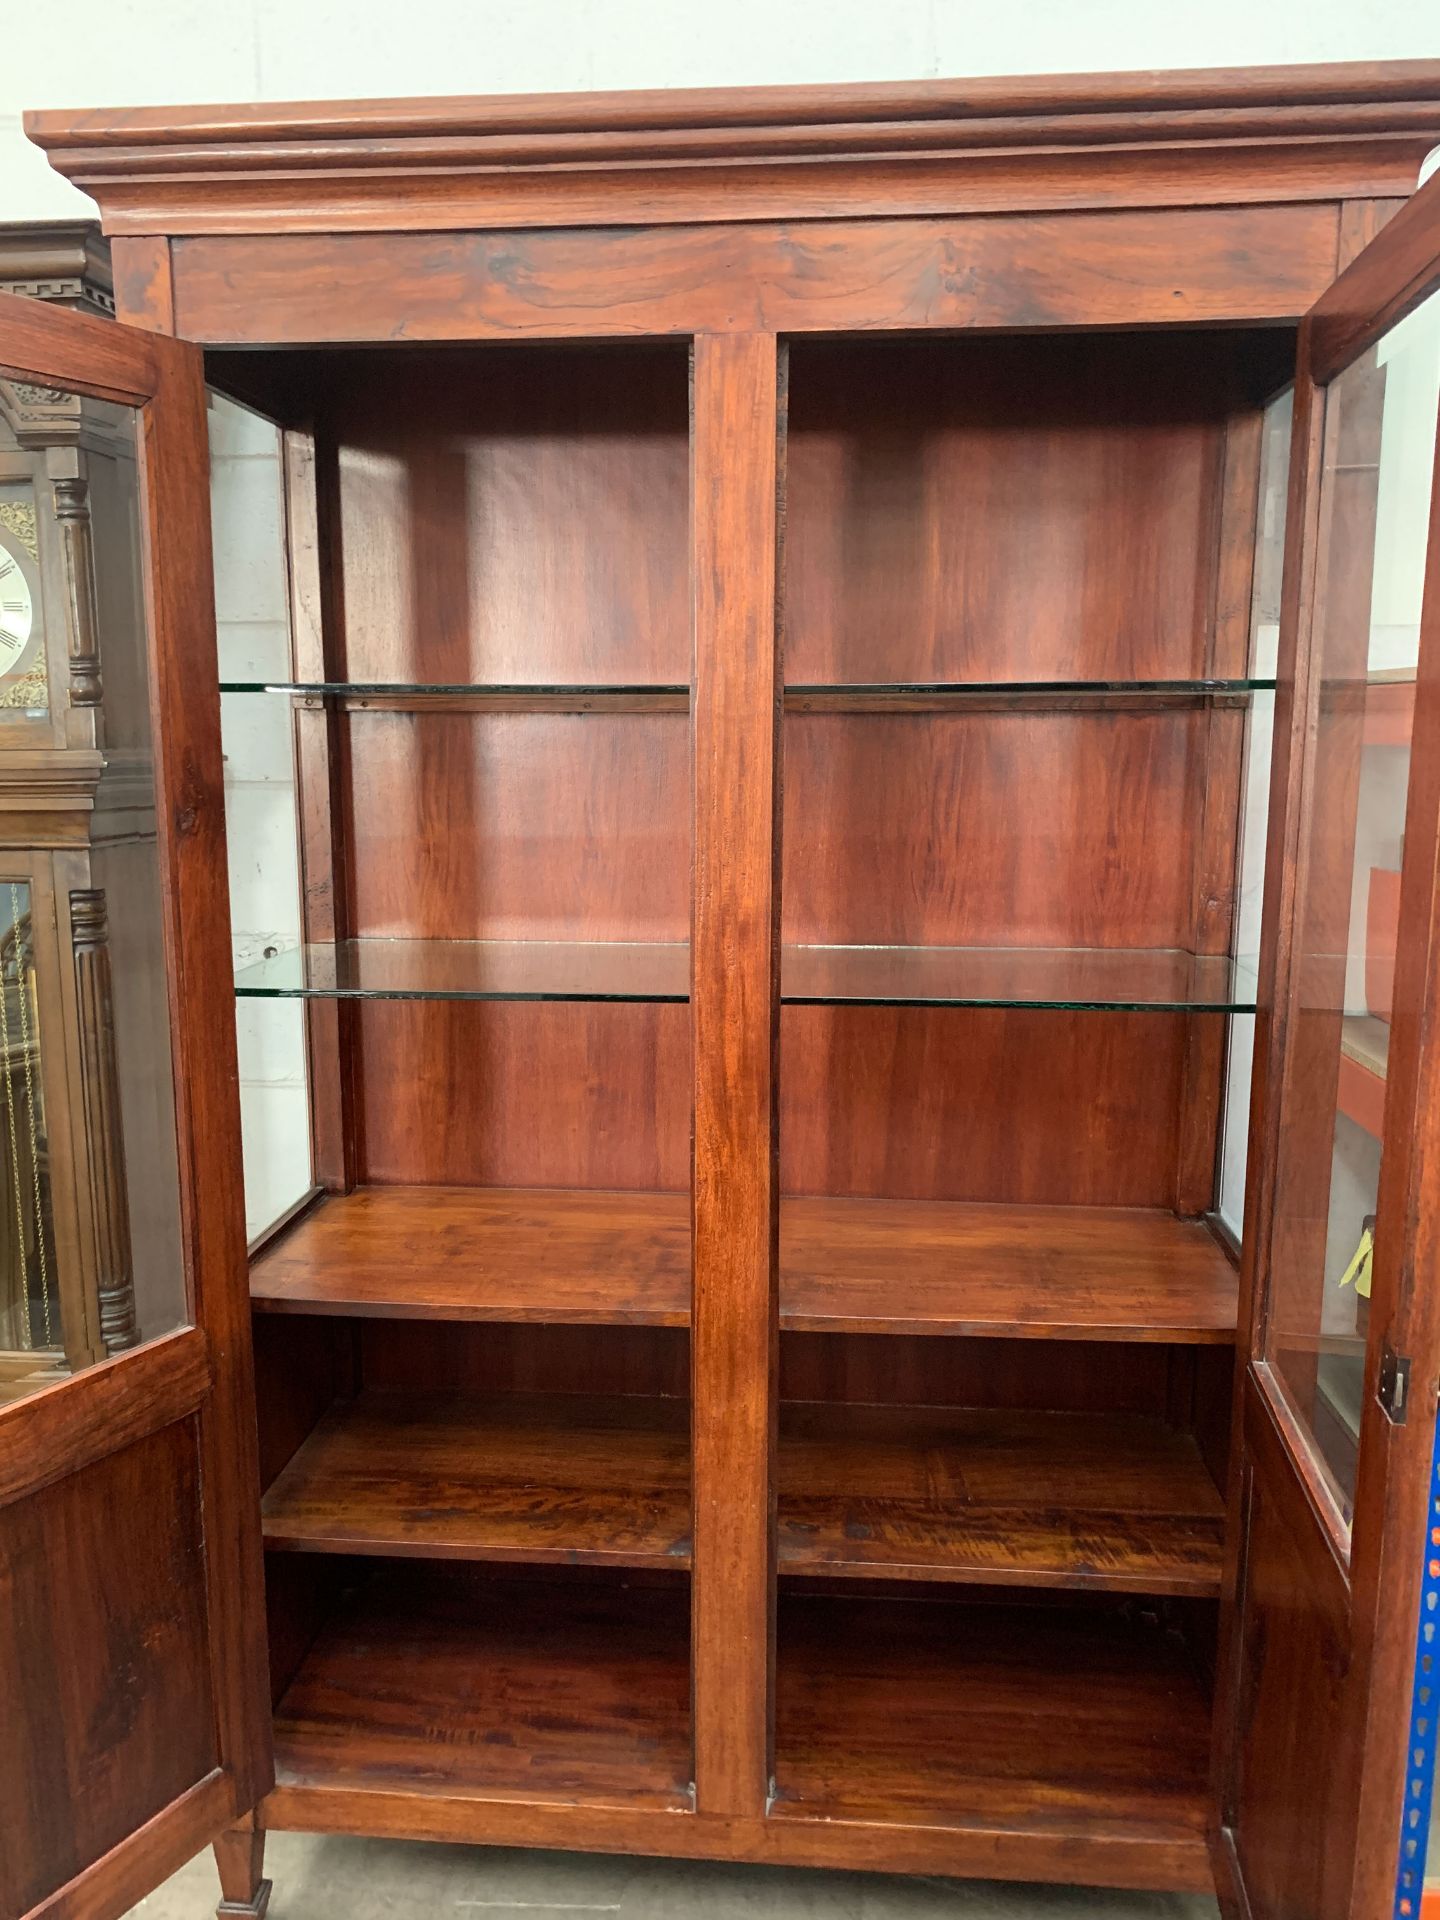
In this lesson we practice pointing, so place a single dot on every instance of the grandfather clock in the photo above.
(77, 836)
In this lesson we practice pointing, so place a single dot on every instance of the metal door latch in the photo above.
(1395, 1385)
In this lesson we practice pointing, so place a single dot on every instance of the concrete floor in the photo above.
(322, 1878)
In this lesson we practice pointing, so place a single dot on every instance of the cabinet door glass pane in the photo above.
(90, 1248)
(1375, 503)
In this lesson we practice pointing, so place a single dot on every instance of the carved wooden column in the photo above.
(109, 1199)
(72, 513)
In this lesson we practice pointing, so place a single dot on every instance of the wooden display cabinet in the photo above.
(787, 628)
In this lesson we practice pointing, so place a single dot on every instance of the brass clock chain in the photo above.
(27, 981)
(27, 1335)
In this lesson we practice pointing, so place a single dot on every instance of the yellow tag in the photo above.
(1359, 1267)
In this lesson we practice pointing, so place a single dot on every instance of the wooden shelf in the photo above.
(520, 1692)
(530, 1477)
(847, 1266)
(1085, 1734)
(1099, 1501)
(548, 1255)
(1056, 1273)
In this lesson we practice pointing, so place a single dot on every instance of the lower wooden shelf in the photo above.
(846, 1265)
(437, 1684)
(1087, 1730)
(1040, 1742)
(1100, 1501)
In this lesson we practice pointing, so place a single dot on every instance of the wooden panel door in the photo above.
(1338, 1381)
(132, 1657)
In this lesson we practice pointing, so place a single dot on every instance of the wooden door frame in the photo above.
(203, 1371)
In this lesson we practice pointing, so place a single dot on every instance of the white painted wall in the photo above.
(133, 52)
(138, 52)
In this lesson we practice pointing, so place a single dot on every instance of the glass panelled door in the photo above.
(1317, 1776)
(1375, 499)
(133, 1694)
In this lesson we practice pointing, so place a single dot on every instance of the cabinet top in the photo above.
(760, 153)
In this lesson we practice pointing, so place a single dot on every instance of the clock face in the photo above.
(17, 610)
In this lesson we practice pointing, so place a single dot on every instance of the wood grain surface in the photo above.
(1086, 1273)
(927, 1715)
(1104, 1502)
(1144, 268)
(569, 1694)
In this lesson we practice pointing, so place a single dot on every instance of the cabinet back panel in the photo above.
(513, 1094)
(514, 514)
(302, 1366)
(524, 826)
(422, 1356)
(993, 829)
(1003, 508)
(1067, 1376)
(1029, 1106)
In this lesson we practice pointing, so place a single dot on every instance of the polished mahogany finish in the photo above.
(547, 1255)
(523, 1477)
(924, 1716)
(789, 570)
(1111, 269)
(656, 158)
(1069, 1500)
(552, 1694)
(535, 1255)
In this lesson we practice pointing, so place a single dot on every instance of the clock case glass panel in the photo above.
(24, 675)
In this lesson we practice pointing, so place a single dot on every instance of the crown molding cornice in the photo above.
(942, 146)
(66, 262)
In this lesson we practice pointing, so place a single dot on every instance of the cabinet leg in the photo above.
(240, 1856)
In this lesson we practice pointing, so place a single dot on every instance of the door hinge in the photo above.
(1395, 1384)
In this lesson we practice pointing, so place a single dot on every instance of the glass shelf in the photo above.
(363, 693)
(1123, 978)
(929, 695)
(1082, 978)
(840, 695)
(472, 970)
